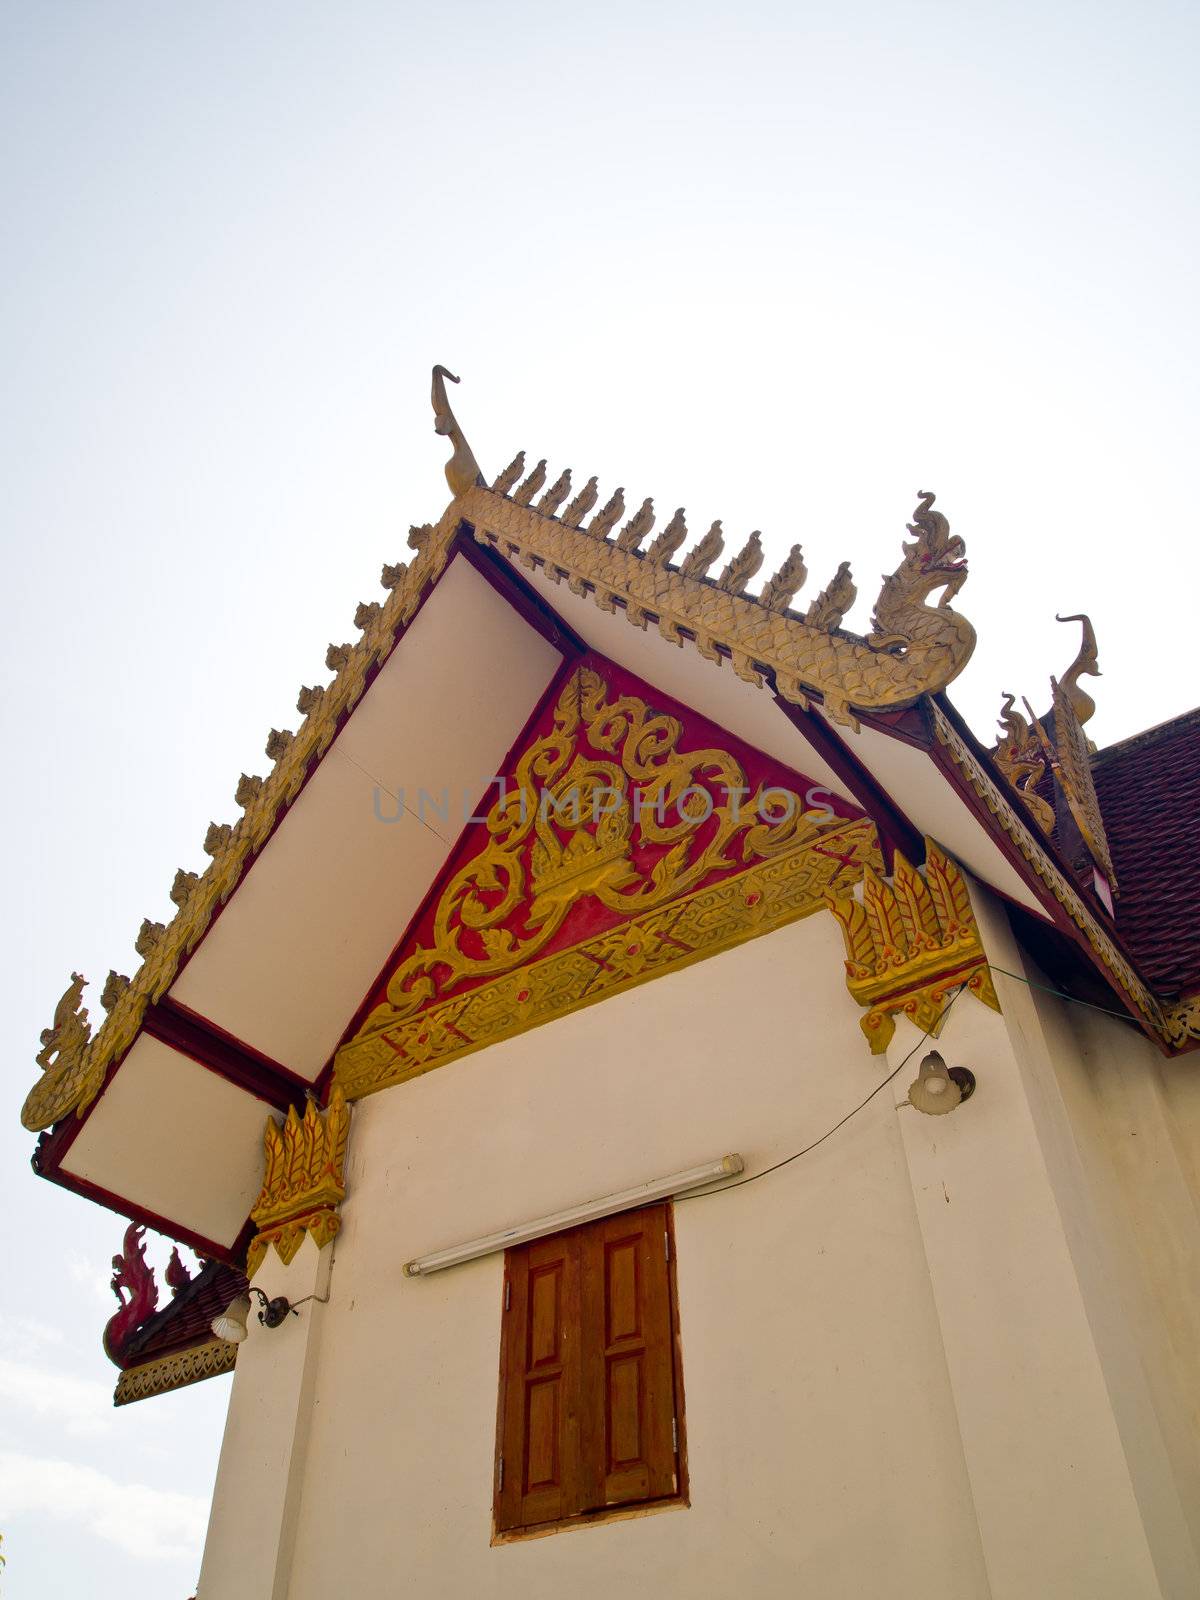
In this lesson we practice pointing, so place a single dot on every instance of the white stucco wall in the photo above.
(946, 1358)
(823, 1447)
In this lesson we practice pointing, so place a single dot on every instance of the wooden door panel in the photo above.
(627, 1372)
(539, 1436)
(588, 1397)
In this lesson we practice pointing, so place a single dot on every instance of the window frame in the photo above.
(680, 1497)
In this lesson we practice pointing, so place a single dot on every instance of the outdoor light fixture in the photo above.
(607, 1206)
(231, 1324)
(937, 1088)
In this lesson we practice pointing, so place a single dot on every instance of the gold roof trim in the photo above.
(74, 1062)
(915, 647)
(175, 1371)
(1169, 1024)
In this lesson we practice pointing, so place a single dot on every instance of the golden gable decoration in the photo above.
(909, 943)
(175, 1371)
(608, 766)
(303, 1180)
(915, 648)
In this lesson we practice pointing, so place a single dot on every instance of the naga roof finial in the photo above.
(462, 469)
(1085, 663)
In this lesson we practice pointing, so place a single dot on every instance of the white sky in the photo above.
(781, 264)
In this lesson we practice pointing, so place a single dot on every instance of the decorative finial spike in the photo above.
(182, 887)
(462, 469)
(833, 602)
(115, 986)
(606, 520)
(511, 473)
(532, 484)
(638, 526)
(1085, 664)
(217, 837)
(743, 566)
(698, 561)
(581, 505)
(669, 540)
(248, 789)
(148, 937)
(778, 592)
(555, 494)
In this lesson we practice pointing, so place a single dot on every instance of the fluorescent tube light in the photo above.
(607, 1206)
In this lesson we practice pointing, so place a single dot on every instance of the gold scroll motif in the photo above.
(552, 840)
(175, 1371)
(71, 1081)
(909, 943)
(303, 1180)
(915, 648)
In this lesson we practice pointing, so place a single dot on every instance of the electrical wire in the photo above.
(1123, 1016)
(683, 1200)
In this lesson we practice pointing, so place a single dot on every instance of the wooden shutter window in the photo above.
(588, 1402)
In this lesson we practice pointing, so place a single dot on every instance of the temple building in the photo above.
(661, 1107)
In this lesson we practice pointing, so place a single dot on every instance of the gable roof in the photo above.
(242, 998)
(1149, 792)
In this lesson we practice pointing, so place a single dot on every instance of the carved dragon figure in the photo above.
(132, 1276)
(1020, 757)
(916, 648)
(64, 1059)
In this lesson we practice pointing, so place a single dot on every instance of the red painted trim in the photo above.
(896, 831)
(128, 1208)
(203, 1042)
(1059, 917)
(530, 606)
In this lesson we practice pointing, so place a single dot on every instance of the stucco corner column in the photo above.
(1002, 1225)
(256, 1506)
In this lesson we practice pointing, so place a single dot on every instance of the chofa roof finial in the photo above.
(1085, 664)
(462, 469)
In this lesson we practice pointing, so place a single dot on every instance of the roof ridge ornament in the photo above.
(462, 469)
(1086, 663)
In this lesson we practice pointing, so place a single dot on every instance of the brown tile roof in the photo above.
(1149, 792)
(186, 1319)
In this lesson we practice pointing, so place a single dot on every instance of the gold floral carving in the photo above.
(71, 1079)
(303, 1180)
(769, 895)
(527, 865)
(1104, 947)
(909, 943)
(916, 647)
(175, 1371)
(1182, 1022)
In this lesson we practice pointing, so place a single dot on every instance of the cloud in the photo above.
(95, 1279)
(154, 1524)
(81, 1405)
